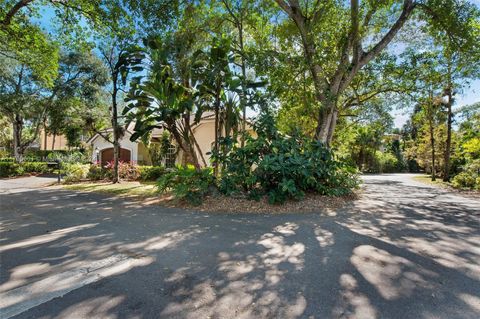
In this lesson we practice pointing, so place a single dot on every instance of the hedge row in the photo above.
(76, 172)
(9, 169)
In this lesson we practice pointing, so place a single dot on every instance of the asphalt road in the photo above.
(403, 250)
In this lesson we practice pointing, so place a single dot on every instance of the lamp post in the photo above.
(97, 155)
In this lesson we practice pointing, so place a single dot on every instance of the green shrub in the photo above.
(75, 172)
(469, 177)
(150, 173)
(187, 184)
(4, 154)
(8, 169)
(464, 180)
(126, 171)
(35, 167)
(69, 157)
(387, 162)
(281, 167)
(97, 172)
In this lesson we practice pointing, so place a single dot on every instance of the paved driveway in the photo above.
(404, 250)
(21, 184)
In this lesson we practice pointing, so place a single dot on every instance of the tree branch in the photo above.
(408, 6)
(17, 7)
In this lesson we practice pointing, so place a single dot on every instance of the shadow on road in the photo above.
(400, 251)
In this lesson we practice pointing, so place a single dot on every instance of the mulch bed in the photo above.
(218, 203)
(311, 203)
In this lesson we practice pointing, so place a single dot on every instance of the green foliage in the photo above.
(75, 172)
(471, 147)
(385, 163)
(163, 99)
(35, 167)
(68, 157)
(464, 180)
(9, 169)
(469, 177)
(96, 173)
(126, 171)
(187, 183)
(282, 167)
(150, 173)
(158, 151)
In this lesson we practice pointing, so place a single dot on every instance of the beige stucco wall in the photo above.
(205, 136)
(60, 141)
(143, 157)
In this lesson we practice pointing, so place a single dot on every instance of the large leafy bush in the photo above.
(280, 166)
(8, 169)
(97, 172)
(187, 183)
(69, 157)
(150, 173)
(126, 171)
(75, 172)
(469, 177)
(35, 167)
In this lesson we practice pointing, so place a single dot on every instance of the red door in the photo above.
(107, 155)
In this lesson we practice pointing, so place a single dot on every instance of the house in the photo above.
(52, 142)
(389, 138)
(137, 153)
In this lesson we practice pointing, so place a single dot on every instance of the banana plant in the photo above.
(160, 99)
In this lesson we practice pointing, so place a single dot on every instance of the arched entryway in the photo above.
(107, 155)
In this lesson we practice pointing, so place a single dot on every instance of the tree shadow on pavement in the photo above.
(389, 257)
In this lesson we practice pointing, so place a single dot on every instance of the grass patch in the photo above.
(427, 179)
(137, 189)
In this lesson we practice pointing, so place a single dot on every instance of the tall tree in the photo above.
(22, 102)
(79, 91)
(163, 100)
(26, 100)
(114, 44)
(338, 40)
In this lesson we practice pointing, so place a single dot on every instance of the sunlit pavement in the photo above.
(22, 184)
(403, 250)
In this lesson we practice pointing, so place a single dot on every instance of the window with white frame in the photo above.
(170, 156)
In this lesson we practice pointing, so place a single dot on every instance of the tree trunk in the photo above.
(45, 135)
(116, 131)
(448, 146)
(432, 145)
(17, 138)
(331, 129)
(217, 126)
(189, 141)
(327, 120)
(53, 141)
(243, 96)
